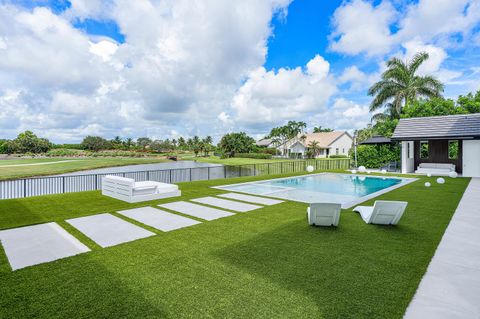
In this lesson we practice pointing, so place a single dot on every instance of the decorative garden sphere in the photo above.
(427, 184)
(453, 174)
(354, 171)
(368, 172)
(441, 180)
(384, 171)
(309, 168)
(429, 175)
(362, 169)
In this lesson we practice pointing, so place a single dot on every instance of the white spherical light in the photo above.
(427, 184)
(453, 174)
(368, 172)
(362, 169)
(441, 180)
(429, 175)
(384, 171)
(354, 171)
(309, 168)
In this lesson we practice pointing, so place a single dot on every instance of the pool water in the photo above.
(346, 189)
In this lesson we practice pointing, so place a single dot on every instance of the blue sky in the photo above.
(185, 67)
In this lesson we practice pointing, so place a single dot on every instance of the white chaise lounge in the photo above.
(324, 214)
(128, 190)
(383, 212)
(435, 168)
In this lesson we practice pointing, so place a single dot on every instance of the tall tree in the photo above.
(400, 85)
(321, 129)
(314, 146)
(282, 134)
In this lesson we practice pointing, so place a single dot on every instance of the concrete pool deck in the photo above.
(451, 286)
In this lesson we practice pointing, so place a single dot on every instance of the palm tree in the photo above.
(315, 147)
(400, 85)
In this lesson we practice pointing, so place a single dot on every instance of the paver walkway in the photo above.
(252, 199)
(32, 245)
(195, 210)
(451, 285)
(108, 230)
(158, 219)
(227, 204)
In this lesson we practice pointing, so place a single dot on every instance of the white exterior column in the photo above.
(407, 157)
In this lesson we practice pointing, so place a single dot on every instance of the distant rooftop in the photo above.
(264, 142)
(463, 126)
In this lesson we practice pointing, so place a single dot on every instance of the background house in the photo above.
(452, 139)
(328, 143)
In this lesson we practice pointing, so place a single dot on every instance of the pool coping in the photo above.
(403, 181)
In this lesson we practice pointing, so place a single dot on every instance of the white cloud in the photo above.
(272, 97)
(357, 79)
(434, 19)
(345, 115)
(362, 27)
(432, 66)
(179, 67)
(359, 26)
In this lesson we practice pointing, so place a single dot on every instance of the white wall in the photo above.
(471, 158)
(408, 162)
(344, 144)
(297, 148)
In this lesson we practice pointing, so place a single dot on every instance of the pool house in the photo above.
(440, 144)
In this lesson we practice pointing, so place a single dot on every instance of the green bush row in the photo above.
(254, 155)
(338, 156)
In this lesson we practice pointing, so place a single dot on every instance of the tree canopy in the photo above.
(236, 143)
(400, 85)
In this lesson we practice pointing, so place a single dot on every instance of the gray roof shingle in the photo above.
(436, 127)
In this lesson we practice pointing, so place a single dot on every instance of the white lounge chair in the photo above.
(128, 190)
(383, 212)
(324, 214)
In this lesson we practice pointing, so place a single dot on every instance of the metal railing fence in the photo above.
(28, 187)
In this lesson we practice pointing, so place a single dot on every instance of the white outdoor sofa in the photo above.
(128, 190)
(435, 168)
(324, 214)
(383, 212)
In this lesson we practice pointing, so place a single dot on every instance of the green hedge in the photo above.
(254, 155)
(375, 156)
(338, 156)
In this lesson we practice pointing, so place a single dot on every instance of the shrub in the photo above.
(64, 152)
(27, 142)
(254, 155)
(374, 156)
(94, 143)
(338, 156)
(233, 143)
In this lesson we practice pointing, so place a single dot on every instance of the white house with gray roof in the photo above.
(440, 142)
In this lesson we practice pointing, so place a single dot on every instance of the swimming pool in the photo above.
(346, 189)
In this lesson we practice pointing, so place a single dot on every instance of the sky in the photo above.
(170, 68)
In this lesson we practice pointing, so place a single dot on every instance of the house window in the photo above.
(343, 151)
(336, 151)
(409, 150)
(452, 149)
(424, 149)
(322, 151)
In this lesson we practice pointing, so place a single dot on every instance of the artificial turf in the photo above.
(266, 263)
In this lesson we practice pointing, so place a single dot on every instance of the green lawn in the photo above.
(262, 264)
(10, 169)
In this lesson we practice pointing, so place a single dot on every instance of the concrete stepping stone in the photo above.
(32, 245)
(108, 230)
(227, 204)
(195, 210)
(252, 199)
(158, 219)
